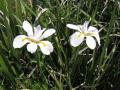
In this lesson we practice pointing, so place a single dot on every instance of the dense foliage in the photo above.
(67, 68)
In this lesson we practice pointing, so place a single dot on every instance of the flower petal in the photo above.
(48, 33)
(31, 47)
(28, 28)
(38, 32)
(37, 29)
(19, 41)
(95, 33)
(85, 26)
(75, 27)
(76, 39)
(90, 41)
(46, 47)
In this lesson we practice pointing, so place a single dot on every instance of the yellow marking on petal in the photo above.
(81, 34)
(42, 43)
(90, 34)
(86, 34)
(34, 41)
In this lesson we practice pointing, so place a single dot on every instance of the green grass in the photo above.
(67, 68)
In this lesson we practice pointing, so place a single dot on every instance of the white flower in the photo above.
(82, 32)
(34, 39)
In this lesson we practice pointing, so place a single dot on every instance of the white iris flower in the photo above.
(34, 39)
(84, 32)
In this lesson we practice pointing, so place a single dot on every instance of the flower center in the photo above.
(34, 41)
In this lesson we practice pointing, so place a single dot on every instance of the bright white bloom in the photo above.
(34, 39)
(82, 32)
